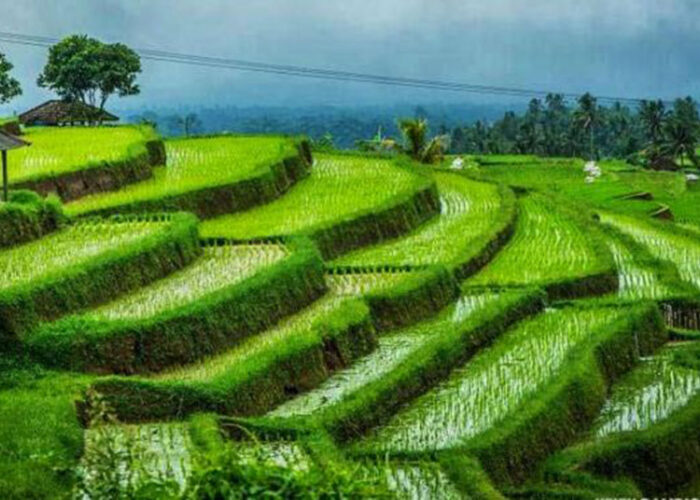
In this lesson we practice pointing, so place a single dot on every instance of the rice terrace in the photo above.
(422, 315)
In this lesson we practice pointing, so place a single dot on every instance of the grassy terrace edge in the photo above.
(135, 165)
(189, 332)
(266, 183)
(104, 277)
(27, 217)
(332, 344)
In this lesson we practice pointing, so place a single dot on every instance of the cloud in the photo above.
(625, 47)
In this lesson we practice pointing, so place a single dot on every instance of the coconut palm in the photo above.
(652, 115)
(416, 145)
(586, 117)
(680, 141)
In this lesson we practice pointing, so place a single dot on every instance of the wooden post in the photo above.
(4, 175)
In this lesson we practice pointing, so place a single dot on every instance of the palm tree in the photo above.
(652, 115)
(586, 118)
(680, 141)
(415, 132)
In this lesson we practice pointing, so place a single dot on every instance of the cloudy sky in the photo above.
(632, 48)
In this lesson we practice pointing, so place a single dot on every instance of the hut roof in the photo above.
(56, 112)
(8, 141)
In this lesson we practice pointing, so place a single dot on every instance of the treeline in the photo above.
(650, 132)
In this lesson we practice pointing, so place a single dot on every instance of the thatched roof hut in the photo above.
(57, 112)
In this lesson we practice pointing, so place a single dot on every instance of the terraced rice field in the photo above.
(468, 209)
(547, 247)
(680, 250)
(193, 164)
(237, 362)
(70, 247)
(218, 267)
(339, 186)
(493, 384)
(393, 350)
(59, 150)
(649, 394)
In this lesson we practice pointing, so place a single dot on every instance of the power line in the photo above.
(317, 73)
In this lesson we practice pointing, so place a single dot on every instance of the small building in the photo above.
(58, 112)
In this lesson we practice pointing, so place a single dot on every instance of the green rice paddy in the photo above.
(55, 151)
(339, 186)
(468, 209)
(193, 164)
(218, 267)
(547, 247)
(493, 384)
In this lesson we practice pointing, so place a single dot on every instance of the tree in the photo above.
(586, 117)
(681, 131)
(188, 124)
(652, 115)
(84, 69)
(416, 145)
(9, 87)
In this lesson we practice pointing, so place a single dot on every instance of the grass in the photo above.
(339, 186)
(468, 209)
(636, 281)
(648, 394)
(57, 150)
(393, 350)
(218, 267)
(493, 384)
(72, 246)
(680, 249)
(192, 164)
(40, 437)
(547, 247)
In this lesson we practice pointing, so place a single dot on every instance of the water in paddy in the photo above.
(648, 394)
(131, 455)
(415, 481)
(392, 351)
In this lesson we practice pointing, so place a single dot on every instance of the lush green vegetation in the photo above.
(339, 187)
(193, 164)
(359, 325)
(56, 151)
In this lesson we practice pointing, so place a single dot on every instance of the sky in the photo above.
(628, 48)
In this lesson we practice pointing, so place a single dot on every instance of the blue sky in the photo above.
(634, 48)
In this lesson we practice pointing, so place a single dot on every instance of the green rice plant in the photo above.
(118, 460)
(493, 384)
(393, 350)
(218, 267)
(409, 480)
(548, 247)
(361, 283)
(665, 244)
(56, 151)
(72, 246)
(468, 209)
(636, 281)
(286, 454)
(338, 188)
(193, 164)
(648, 394)
(232, 364)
